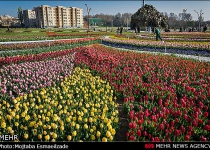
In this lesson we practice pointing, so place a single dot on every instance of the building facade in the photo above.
(58, 17)
(29, 18)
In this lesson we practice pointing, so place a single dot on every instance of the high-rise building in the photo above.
(29, 18)
(58, 17)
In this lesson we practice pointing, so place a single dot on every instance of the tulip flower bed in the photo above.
(38, 50)
(80, 108)
(30, 45)
(37, 38)
(186, 48)
(21, 78)
(166, 98)
(175, 36)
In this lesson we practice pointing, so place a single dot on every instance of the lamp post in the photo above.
(88, 11)
(112, 25)
(199, 18)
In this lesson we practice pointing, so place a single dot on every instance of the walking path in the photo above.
(199, 58)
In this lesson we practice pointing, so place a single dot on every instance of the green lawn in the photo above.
(42, 32)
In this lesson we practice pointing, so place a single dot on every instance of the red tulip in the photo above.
(132, 138)
(206, 127)
(203, 138)
(187, 138)
(205, 114)
(139, 133)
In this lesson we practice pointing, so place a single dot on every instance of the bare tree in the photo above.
(6, 21)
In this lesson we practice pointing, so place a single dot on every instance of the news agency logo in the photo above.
(8, 137)
(182, 145)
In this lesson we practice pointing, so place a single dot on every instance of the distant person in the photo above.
(138, 29)
(121, 29)
(118, 30)
(204, 29)
(158, 35)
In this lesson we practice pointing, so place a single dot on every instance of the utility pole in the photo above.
(199, 18)
(88, 11)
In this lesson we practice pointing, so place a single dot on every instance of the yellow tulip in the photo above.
(44, 132)
(93, 137)
(62, 128)
(69, 138)
(12, 132)
(106, 120)
(116, 120)
(16, 124)
(111, 138)
(90, 119)
(53, 140)
(72, 123)
(74, 133)
(85, 111)
(40, 123)
(85, 119)
(87, 105)
(94, 127)
(9, 128)
(68, 119)
(14, 101)
(79, 118)
(48, 114)
(91, 113)
(113, 132)
(101, 125)
(108, 134)
(3, 124)
(47, 119)
(25, 136)
(85, 126)
(39, 136)
(91, 130)
(9, 117)
(23, 114)
(31, 124)
(104, 139)
(77, 126)
(74, 118)
(98, 134)
(54, 135)
(47, 137)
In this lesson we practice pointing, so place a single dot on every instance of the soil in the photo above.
(123, 123)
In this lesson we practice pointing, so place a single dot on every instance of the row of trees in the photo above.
(109, 20)
(148, 15)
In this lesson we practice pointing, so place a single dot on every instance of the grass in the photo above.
(42, 32)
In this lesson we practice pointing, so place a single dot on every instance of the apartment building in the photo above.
(29, 18)
(59, 16)
(7, 20)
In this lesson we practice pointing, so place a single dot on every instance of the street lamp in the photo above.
(88, 11)
(112, 25)
(199, 18)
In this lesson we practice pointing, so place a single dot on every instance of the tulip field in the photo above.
(70, 91)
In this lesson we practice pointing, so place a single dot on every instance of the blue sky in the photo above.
(113, 7)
